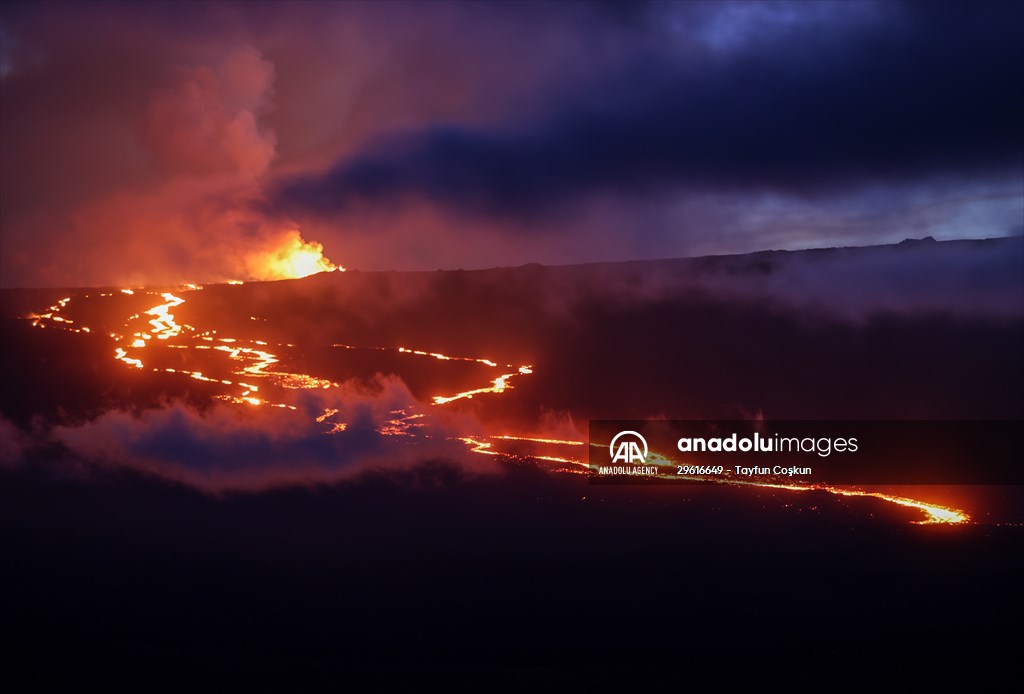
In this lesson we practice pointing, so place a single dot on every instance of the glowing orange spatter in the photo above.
(293, 259)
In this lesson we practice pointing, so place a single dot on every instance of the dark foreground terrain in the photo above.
(517, 576)
(503, 571)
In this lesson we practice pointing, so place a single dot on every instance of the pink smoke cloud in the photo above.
(138, 149)
(208, 120)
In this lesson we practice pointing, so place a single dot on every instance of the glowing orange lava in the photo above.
(293, 259)
(535, 439)
(157, 327)
(498, 385)
(444, 357)
(934, 513)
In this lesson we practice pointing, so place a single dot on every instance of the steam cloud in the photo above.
(225, 447)
(207, 121)
(205, 145)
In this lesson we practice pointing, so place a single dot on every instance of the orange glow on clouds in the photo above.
(292, 259)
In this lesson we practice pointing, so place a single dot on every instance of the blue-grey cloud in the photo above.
(929, 89)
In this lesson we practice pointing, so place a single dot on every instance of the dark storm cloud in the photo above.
(929, 89)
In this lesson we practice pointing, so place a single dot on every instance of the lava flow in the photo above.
(934, 513)
(142, 335)
(498, 385)
(251, 373)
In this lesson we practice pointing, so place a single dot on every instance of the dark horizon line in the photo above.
(594, 263)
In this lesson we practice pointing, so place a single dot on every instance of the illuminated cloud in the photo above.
(231, 447)
(156, 142)
(291, 259)
(207, 121)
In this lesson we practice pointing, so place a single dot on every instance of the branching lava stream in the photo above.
(250, 372)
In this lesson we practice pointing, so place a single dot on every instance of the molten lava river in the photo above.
(249, 373)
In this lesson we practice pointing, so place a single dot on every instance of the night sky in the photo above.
(157, 142)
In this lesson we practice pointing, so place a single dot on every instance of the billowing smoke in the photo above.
(207, 120)
(223, 446)
(199, 138)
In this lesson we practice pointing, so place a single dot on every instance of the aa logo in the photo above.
(626, 448)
